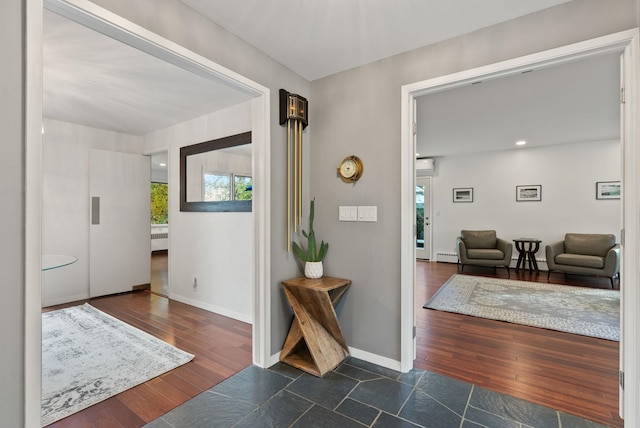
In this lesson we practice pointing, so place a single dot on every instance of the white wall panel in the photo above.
(214, 248)
(567, 173)
(119, 239)
(65, 196)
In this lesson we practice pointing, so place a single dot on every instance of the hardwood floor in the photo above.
(221, 346)
(575, 374)
(567, 372)
(159, 273)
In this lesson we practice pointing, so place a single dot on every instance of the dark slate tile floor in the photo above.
(357, 394)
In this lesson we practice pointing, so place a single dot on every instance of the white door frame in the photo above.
(627, 42)
(106, 22)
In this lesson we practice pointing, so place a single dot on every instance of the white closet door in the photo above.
(119, 237)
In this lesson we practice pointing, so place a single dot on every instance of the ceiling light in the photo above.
(417, 154)
(521, 143)
(163, 164)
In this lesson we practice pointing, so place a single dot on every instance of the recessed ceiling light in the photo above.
(521, 143)
(163, 164)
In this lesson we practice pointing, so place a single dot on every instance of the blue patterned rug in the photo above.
(89, 356)
(579, 310)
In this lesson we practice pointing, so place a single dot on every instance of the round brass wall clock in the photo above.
(350, 169)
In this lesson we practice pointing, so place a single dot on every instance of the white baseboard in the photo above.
(274, 359)
(65, 299)
(376, 359)
(452, 257)
(212, 308)
(449, 257)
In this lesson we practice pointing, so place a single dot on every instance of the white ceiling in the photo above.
(317, 38)
(570, 103)
(93, 80)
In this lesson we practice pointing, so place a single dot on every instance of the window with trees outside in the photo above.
(226, 187)
(159, 203)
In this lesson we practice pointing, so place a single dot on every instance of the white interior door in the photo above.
(423, 218)
(119, 237)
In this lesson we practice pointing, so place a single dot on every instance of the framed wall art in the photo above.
(529, 193)
(608, 190)
(464, 194)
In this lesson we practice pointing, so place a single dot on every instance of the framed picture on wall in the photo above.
(529, 193)
(464, 194)
(608, 190)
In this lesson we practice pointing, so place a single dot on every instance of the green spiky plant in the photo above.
(312, 253)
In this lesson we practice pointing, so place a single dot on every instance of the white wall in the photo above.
(567, 173)
(214, 247)
(65, 208)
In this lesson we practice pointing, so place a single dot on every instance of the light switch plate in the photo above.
(348, 213)
(368, 213)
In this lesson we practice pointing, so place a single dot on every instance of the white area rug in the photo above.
(579, 310)
(89, 356)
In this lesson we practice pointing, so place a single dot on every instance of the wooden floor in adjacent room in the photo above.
(568, 372)
(222, 347)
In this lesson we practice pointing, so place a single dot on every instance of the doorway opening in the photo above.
(623, 43)
(423, 218)
(135, 36)
(159, 233)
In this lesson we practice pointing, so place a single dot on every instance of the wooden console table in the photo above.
(315, 343)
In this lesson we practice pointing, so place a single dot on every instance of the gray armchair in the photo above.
(483, 248)
(585, 254)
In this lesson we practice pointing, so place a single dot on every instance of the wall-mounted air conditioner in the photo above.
(425, 167)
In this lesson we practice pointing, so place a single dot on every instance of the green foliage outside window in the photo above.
(243, 188)
(159, 203)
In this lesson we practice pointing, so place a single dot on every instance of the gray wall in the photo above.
(12, 214)
(358, 112)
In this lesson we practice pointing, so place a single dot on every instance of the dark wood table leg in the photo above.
(532, 256)
(521, 256)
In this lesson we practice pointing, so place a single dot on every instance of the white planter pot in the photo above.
(313, 270)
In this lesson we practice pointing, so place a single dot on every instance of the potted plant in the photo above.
(311, 257)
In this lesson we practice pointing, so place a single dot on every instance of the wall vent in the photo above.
(425, 167)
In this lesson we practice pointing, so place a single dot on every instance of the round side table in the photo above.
(527, 249)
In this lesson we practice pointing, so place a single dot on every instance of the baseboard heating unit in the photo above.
(444, 256)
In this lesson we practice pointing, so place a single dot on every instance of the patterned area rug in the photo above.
(89, 356)
(579, 310)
